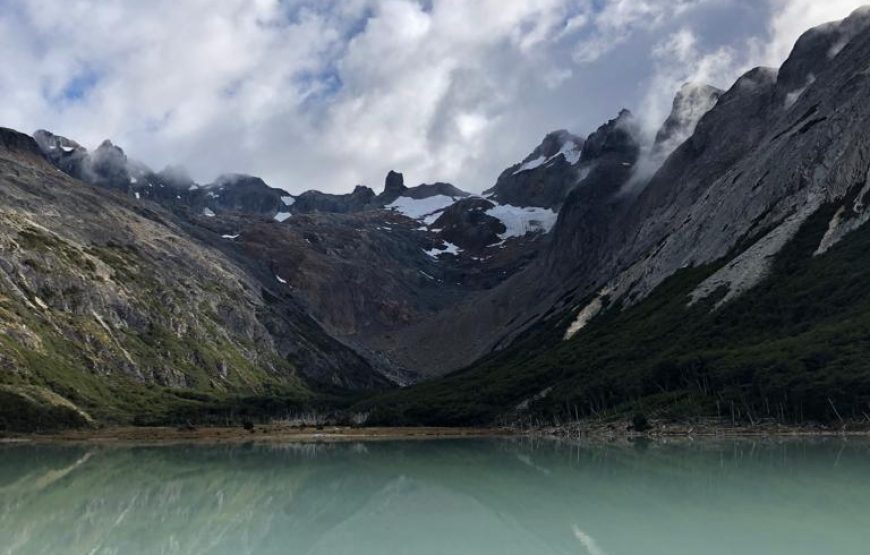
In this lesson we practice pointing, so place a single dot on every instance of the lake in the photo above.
(470, 496)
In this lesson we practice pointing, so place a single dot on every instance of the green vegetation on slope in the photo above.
(796, 347)
(62, 365)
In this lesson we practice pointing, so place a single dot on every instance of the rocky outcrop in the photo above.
(427, 190)
(308, 202)
(394, 186)
(545, 177)
(467, 224)
(244, 194)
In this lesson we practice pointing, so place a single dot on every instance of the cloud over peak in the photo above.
(329, 93)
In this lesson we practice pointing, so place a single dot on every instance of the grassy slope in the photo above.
(63, 369)
(795, 347)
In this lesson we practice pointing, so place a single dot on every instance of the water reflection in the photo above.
(463, 496)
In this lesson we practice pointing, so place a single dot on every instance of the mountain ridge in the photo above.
(528, 296)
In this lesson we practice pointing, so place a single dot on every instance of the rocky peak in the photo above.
(394, 186)
(110, 164)
(545, 176)
(816, 48)
(241, 193)
(239, 180)
(690, 104)
(617, 136)
(362, 195)
(55, 145)
(14, 141)
(555, 143)
(427, 190)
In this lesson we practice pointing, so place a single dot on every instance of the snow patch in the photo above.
(570, 151)
(281, 216)
(520, 221)
(288, 200)
(420, 208)
(67, 148)
(236, 236)
(207, 212)
(449, 248)
(280, 279)
(531, 164)
(137, 195)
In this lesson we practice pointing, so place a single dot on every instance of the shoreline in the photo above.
(282, 433)
(269, 433)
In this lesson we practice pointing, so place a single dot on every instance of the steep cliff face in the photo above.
(688, 287)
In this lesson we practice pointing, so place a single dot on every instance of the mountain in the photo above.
(363, 265)
(713, 267)
(113, 309)
(728, 283)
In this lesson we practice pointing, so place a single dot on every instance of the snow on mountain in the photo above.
(449, 248)
(420, 208)
(570, 150)
(520, 221)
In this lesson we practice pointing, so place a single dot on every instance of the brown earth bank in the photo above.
(591, 430)
(241, 434)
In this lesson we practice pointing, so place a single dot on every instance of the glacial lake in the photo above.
(471, 496)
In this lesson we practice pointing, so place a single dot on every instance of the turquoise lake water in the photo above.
(492, 496)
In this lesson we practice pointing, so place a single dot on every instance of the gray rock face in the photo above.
(814, 50)
(752, 171)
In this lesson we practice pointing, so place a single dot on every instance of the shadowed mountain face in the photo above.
(751, 228)
(524, 287)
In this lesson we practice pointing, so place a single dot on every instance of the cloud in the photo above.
(330, 93)
(792, 17)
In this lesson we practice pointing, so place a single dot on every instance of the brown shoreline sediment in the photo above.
(278, 433)
(261, 434)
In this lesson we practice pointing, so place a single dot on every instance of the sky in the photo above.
(327, 94)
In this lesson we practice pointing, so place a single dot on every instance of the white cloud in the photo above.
(330, 93)
(617, 20)
(792, 17)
